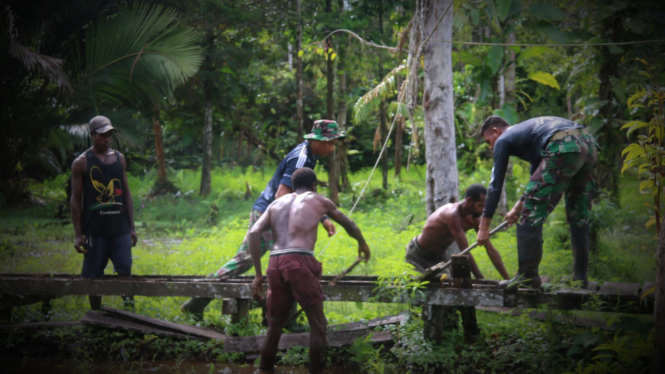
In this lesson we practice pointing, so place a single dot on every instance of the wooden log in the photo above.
(111, 321)
(253, 344)
(376, 322)
(39, 325)
(619, 289)
(199, 332)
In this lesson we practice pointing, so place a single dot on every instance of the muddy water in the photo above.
(30, 365)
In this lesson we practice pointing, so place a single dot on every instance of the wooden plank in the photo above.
(171, 326)
(542, 316)
(253, 344)
(111, 321)
(619, 289)
(39, 325)
(381, 321)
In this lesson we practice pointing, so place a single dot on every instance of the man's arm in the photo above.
(501, 157)
(128, 200)
(282, 190)
(351, 228)
(78, 172)
(495, 257)
(254, 241)
(454, 224)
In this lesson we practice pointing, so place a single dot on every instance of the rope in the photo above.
(376, 164)
(394, 49)
(392, 125)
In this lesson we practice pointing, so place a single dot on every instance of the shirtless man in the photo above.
(293, 272)
(444, 235)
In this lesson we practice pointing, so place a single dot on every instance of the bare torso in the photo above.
(436, 235)
(294, 219)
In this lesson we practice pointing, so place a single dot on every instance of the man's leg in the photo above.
(579, 197)
(120, 253)
(317, 337)
(270, 346)
(239, 264)
(94, 263)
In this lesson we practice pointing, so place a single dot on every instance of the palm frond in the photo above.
(140, 50)
(35, 62)
(370, 101)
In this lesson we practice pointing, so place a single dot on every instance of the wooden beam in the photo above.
(353, 288)
(116, 322)
(199, 332)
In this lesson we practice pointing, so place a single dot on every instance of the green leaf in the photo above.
(475, 16)
(637, 95)
(300, 53)
(359, 305)
(333, 56)
(588, 339)
(547, 12)
(552, 32)
(503, 8)
(634, 125)
(653, 288)
(648, 183)
(495, 58)
(533, 52)
(633, 151)
(544, 78)
(509, 113)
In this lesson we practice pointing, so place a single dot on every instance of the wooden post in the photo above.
(433, 318)
(242, 311)
(462, 278)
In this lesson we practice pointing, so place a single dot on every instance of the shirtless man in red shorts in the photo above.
(293, 272)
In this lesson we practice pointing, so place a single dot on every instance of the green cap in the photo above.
(325, 130)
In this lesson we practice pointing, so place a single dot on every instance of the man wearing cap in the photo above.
(320, 142)
(563, 155)
(102, 209)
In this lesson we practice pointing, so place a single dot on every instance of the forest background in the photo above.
(209, 95)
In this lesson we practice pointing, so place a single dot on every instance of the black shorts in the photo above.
(101, 249)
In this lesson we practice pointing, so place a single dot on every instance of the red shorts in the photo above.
(292, 277)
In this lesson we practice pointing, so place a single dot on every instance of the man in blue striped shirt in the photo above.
(320, 142)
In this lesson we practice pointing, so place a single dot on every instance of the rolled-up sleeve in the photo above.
(501, 157)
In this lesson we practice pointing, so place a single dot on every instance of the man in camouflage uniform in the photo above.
(320, 142)
(563, 156)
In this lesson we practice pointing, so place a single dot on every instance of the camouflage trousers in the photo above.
(567, 169)
(242, 261)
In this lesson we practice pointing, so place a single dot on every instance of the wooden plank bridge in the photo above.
(22, 289)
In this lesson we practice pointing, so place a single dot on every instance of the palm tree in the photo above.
(110, 60)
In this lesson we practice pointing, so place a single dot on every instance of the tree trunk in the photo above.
(299, 104)
(609, 160)
(333, 178)
(442, 178)
(208, 88)
(659, 307)
(383, 120)
(342, 161)
(159, 145)
(206, 165)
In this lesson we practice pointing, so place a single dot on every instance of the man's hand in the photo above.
(514, 214)
(483, 237)
(329, 226)
(79, 245)
(363, 251)
(135, 238)
(257, 288)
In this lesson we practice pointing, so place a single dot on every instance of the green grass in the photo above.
(187, 234)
